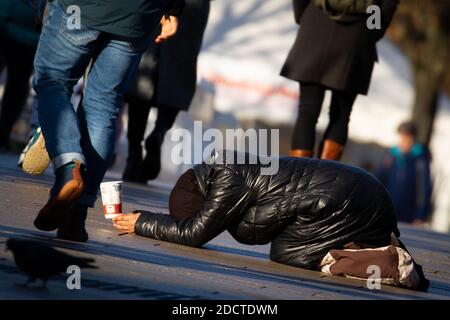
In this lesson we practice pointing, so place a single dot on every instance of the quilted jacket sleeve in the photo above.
(226, 199)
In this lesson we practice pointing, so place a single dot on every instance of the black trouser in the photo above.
(18, 59)
(138, 111)
(311, 99)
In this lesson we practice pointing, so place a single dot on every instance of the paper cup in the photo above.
(111, 198)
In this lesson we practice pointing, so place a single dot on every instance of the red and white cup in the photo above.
(111, 198)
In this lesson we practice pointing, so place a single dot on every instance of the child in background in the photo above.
(405, 171)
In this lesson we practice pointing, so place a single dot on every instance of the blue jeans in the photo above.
(62, 57)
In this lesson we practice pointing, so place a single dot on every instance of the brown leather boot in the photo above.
(299, 153)
(331, 150)
(67, 189)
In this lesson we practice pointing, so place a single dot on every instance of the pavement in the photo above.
(132, 267)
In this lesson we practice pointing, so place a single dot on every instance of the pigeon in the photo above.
(40, 261)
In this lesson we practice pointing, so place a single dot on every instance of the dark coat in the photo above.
(337, 55)
(306, 209)
(167, 75)
(18, 22)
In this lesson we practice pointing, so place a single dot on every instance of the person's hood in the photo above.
(204, 171)
(235, 160)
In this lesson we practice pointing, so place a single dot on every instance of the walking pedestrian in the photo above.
(166, 80)
(334, 50)
(114, 35)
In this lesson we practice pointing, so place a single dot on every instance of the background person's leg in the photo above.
(2, 59)
(111, 74)
(311, 99)
(20, 66)
(166, 118)
(138, 111)
(2, 68)
(335, 136)
(153, 143)
(34, 120)
(140, 98)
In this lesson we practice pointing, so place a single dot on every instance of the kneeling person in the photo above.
(317, 214)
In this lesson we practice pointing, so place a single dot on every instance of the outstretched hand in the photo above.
(126, 222)
(169, 28)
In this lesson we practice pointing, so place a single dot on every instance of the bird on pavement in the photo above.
(40, 261)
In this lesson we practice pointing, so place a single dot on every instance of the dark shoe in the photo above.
(113, 161)
(133, 171)
(67, 189)
(74, 226)
(152, 160)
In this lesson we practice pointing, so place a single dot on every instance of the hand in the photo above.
(126, 222)
(169, 28)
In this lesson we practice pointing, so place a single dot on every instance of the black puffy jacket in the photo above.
(307, 208)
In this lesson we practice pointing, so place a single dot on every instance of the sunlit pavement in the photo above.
(132, 267)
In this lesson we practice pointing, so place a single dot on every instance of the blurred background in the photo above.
(244, 48)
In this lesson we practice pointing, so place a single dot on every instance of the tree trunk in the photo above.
(425, 104)
(429, 70)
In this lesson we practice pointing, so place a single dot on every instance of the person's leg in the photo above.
(2, 67)
(152, 162)
(98, 112)
(61, 59)
(166, 118)
(34, 120)
(138, 111)
(291, 247)
(335, 136)
(2, 59)
(311, 99)
(20, 66)
(111, 74)
(2, 54)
